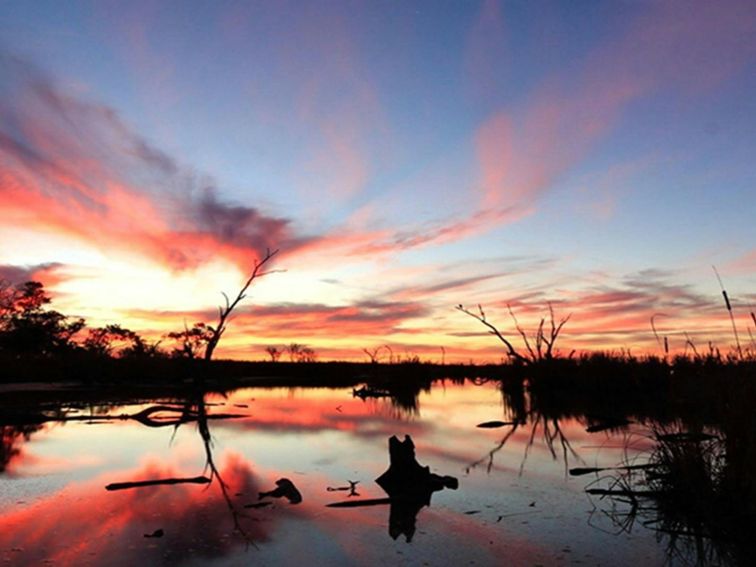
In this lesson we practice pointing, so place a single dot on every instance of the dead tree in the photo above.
(217, 331)
(373, 354)
(274, 353)
(540, 347)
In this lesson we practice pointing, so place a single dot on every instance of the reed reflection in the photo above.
(694, 488)
(690, 455)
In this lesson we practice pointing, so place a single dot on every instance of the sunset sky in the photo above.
(404, 156)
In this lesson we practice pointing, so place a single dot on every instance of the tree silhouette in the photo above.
(192, 342)
(274, 353)
(216, 332)
(26, 327)
(301, 353)
(103, 341)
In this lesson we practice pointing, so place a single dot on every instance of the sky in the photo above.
(403, 157)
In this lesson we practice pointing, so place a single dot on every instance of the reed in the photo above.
(729, 310)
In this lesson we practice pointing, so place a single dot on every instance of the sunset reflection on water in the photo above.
(516, 503)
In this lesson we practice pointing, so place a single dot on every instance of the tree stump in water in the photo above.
(409, 486)
(406, 479)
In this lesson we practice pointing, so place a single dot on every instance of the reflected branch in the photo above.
(490, 455)
(207, 441)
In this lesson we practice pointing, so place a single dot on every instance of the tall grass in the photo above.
(729, 310)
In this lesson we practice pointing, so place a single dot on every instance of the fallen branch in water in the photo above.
(360, 503)
(158, 482)
(494, 424)
(580, 471)
(622, 492)
(146, 417)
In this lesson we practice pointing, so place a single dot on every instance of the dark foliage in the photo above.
(28, 328)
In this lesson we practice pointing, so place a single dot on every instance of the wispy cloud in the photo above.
(74, 167)
(302, 322)
(523, 149)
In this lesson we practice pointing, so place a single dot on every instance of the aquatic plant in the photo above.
(695, 488)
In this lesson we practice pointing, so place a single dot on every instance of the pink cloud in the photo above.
(487, 44)
(745, 264)
(73, 168)
(688, 48)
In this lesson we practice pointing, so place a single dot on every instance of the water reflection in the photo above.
(691, 490)
(687, 475)
(404, 395)
(100, 523)
(95, 525)
(14, 436)
(516, 499)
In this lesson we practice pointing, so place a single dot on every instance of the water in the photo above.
(515, 505)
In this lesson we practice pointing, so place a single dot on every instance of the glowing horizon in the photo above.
(404, 159)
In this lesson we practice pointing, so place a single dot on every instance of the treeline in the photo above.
(29, 328)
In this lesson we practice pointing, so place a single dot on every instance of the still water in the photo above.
(515, 504)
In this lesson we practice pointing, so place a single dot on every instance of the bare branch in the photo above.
(223, 313)
(535, 350)
(522, 333)
(511, 351)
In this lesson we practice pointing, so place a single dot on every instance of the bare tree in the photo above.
(217, 331)
(539, 347)
(274, 353)
(301, 353)
(294, 350)
(307, 355)
(373, 354)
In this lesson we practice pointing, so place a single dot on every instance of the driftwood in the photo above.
(146, 417)
(608, 424)
(494, 424)
(360, 503)
(352, 488)
(622, 492)
(370, 392)
(580, 471)
(157, 482)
